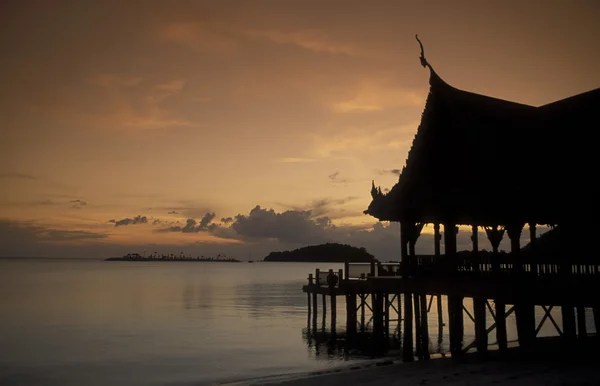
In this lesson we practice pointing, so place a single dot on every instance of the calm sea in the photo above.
(89, 322)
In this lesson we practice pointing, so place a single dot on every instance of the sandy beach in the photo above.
(514, 368)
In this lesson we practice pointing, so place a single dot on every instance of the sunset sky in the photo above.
(241, 127)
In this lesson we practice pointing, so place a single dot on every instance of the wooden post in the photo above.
(481, 335)
(596, 311)
(524, 306)
(407, 349)
(310, 284)
(351, 314)
(386, 310)
(377, 306)
(362, 312)
(424, 328)
(533, 241)
(399, 305)
(332, 282)
(581, 327)
(455, 312)
(456, 320)
(568, 321)
(440, 321)
(418, 325)
(403, 241)
(501, 336)
(475, 240)
(437, 237)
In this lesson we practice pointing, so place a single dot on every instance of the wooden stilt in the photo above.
(407, 349)
(333, 312)
(597, 319)
(362, 312)
(399, 309)
(377, 314)
(501, 336)
(386, 314)
(481, 335)
(418, 325)
(424, 328)
(440, 322)
(351, 314)
(581, 327)
(568, 322)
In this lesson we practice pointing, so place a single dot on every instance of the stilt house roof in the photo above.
(480, 160)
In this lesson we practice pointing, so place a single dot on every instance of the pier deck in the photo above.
(389, 289)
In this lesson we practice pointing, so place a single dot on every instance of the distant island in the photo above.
(330, 252)
(172, 257)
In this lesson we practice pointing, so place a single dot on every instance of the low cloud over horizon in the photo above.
(256, 233)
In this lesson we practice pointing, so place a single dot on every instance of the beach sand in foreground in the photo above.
(514, 368)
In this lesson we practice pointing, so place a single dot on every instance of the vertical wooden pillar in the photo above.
(386, 314)
(310, 284)
(501, 336)
(455, 313)
(403, 241)
(332, 282)
(581, 327)
(418, 326)
(399, 309)
(377, 306)
(481, 336)
(533, 259)
(475, 240)
(568, 321)
(424, 328)
(450, 231)
(437, 238)
(407, 344)
(456, 324)
(495, 236)
(524, 306)
(596, 311)
(351, 314)
(440, 321)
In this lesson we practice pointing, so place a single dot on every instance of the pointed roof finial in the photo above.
(422, 57)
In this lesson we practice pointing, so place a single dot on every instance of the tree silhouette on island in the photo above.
(329, 252)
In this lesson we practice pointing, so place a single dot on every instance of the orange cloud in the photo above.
(204, 36)
(371, 96)
(314, 40)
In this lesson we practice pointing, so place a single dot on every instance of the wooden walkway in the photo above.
(398, 292)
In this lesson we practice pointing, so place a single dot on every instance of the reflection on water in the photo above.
(91, 322)
(329, 339)
(74, 322)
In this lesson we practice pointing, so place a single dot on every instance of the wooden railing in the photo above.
(499, 264)
(482, 265)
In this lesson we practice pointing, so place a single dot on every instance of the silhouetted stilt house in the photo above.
(479, 161)
(485, 162)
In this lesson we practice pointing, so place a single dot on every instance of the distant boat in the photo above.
(250, 261)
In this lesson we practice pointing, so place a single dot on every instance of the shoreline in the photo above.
(546, 365)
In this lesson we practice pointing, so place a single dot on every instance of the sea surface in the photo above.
(91, 322)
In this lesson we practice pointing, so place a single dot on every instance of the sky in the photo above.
(244, 127)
